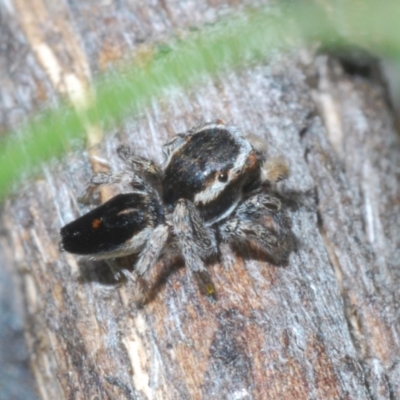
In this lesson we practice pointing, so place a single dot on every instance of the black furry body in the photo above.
(213, 187)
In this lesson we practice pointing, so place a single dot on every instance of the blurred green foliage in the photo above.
(229, 44)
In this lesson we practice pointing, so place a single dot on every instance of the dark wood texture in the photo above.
(324, 327)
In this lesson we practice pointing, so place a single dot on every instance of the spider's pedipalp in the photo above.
(274, 170)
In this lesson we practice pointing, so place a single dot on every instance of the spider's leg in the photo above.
(197, 242)
(106, 179)
(260, 222)
(141, 166)
(96, 181)
(145, 276)
(152, 250)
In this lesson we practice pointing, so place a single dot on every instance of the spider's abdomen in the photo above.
(109, 226)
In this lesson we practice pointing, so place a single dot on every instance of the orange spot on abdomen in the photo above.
(96, 223)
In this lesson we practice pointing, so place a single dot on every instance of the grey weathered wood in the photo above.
(324, 327)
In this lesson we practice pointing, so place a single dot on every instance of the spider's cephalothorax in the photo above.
(210, 166)
(215, 186)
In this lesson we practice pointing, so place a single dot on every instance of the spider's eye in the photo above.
(223, 176)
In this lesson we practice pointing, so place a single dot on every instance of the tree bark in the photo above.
(324, 327)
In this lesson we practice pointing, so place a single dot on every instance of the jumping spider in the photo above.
(214, 186)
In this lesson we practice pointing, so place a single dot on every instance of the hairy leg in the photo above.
(141, 173)
(152, 250)
(261, 223)
(141, 166)
(197, 242)
(145, 275)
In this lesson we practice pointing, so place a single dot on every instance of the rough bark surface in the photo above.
(324, 327)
